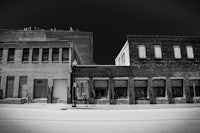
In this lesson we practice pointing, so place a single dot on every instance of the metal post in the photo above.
(194, 93)
(74, 83)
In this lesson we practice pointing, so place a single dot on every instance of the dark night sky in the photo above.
(109, 20)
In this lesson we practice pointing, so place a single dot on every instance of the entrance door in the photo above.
(60, 89)
(22, 81)
(9, 86)
(40, 88)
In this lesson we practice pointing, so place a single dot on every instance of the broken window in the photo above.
(177, 87)
(159, 87)
(35, 56)
(190, 53)
(101, 88)
(177, 52)
(11, 54)
(140, 89)
(45, 54)
(158, 52)
(120, 88)
(194, 86)
(55, 54)
(1, 54)
(25, 55)
(65, 54)
(142, 51)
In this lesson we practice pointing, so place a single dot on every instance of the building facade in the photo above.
(38, 63)
(156, 69)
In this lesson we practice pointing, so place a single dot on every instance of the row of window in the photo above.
(35, 54)
(140, 86)
(158, 52)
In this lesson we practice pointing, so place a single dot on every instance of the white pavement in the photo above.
(43, 118)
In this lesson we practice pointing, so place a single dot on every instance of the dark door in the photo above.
(22, 81)
(40, 88)
(9, 86)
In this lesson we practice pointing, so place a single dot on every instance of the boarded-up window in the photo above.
(45, 54)
(177, 52)
(194, 87)
(55, 54)
(22, 82)
(1, 54)
(158, 52)
(177, 87)
(140, 89)
(190, 53)
(9, 86)
(35, 55)
(142, 51)
(159, 87)
(120, 88)
(11, 54)
(101, 88)
(40, 88)
(25, 55)
(65, 54)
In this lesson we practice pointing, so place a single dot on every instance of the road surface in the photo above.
(34, 120)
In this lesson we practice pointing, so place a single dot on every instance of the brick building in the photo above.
(39, 61)
(148, 69)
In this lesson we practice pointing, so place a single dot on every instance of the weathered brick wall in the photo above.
(41, 70)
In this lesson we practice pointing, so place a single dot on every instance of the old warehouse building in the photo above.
(148, 69)
(38, 61)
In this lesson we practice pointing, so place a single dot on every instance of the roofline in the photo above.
(101, 66)
(169, 36)
(36, 41)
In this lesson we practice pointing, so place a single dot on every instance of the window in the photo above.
(65, 54)
(159, 87)
(177, 87)
(45, 54)
(101, 88)
(190, 53)
(142, 51)
(25, 55)
(177, 52)
(140, 89)
(55, 54)
(194, 86)
(9, 86)
(1, 54)
(35, 56)
(120, 88)
(11, 54)
(158, 52)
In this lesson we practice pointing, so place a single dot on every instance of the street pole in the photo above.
(194, 93)
(74, 83)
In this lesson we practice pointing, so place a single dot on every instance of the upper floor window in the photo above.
(55, 54)
(158, 52)
(190, 53)
(45, 54)
(35, 54)
(25, 55)
(65, 54)
(177, 52)
(1, 54)
(11, 54)
(142, 51)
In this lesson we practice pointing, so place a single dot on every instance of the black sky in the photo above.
(109, 20)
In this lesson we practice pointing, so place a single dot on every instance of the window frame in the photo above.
(43, 53)
(11, 55)
(158, 52)
(36, 57)
(57, 54)
(177, 54)
(187, 50)
(27, 54)
(141, 49)
(67, 55)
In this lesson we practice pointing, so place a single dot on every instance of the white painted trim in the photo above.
(193, 78)
(159, 78)
(121, 78)
(83, 78)
(176, 78)
(100, 78)
(140, 78)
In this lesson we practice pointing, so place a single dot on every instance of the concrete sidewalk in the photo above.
(61, 106)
